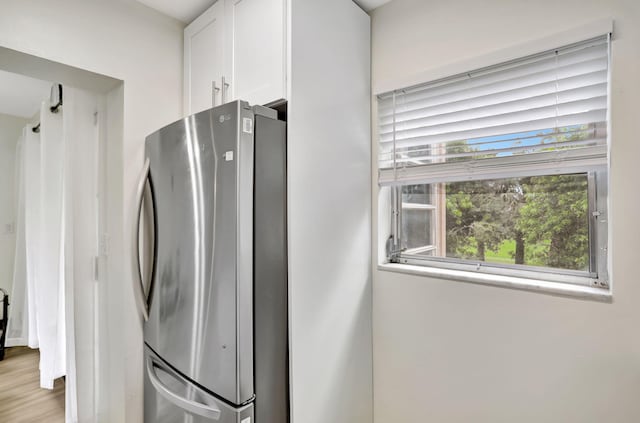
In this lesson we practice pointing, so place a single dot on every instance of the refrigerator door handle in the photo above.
(138, 288)
(193, 407)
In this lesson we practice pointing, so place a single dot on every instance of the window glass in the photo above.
(417, 219)
(534, 221)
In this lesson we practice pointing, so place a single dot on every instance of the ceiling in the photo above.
(183, 10)
(20, 95)
(369, 5)
(187, 10)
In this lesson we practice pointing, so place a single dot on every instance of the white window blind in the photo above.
(542, 114)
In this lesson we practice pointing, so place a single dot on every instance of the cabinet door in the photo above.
(256, 38)
(204, 60)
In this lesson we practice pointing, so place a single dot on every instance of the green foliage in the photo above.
(475, 218)
(549, 213)
(503, 254)
(556, 212)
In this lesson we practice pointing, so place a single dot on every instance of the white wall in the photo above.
(10, 131)
(447, 351)
(329, 218)
(130, 42)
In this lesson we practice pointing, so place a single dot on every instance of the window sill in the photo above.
(525, 284)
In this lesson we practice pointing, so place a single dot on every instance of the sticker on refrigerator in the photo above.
(228, 156)
(247, 126)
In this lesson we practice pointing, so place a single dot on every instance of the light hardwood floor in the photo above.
(21, 398)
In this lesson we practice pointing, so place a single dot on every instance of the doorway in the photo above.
(57, 243)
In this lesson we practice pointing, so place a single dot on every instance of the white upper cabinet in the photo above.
(204, 60)
(235, 50)
(256, 57)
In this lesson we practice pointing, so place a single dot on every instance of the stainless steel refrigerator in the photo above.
(212, 268)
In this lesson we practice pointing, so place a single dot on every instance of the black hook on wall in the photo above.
(55, 109)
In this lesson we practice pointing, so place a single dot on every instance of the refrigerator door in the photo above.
(200, 314)
(170, 398)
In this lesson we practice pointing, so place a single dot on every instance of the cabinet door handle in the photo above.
(214, 90)
(225, 89)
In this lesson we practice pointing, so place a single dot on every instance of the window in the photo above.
(503, 170)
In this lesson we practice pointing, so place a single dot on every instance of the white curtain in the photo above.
(18, 325)
(54, 287)
(49, 283)
(32, 211)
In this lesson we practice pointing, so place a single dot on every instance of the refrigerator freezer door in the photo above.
(170, 398)
(200, 314)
